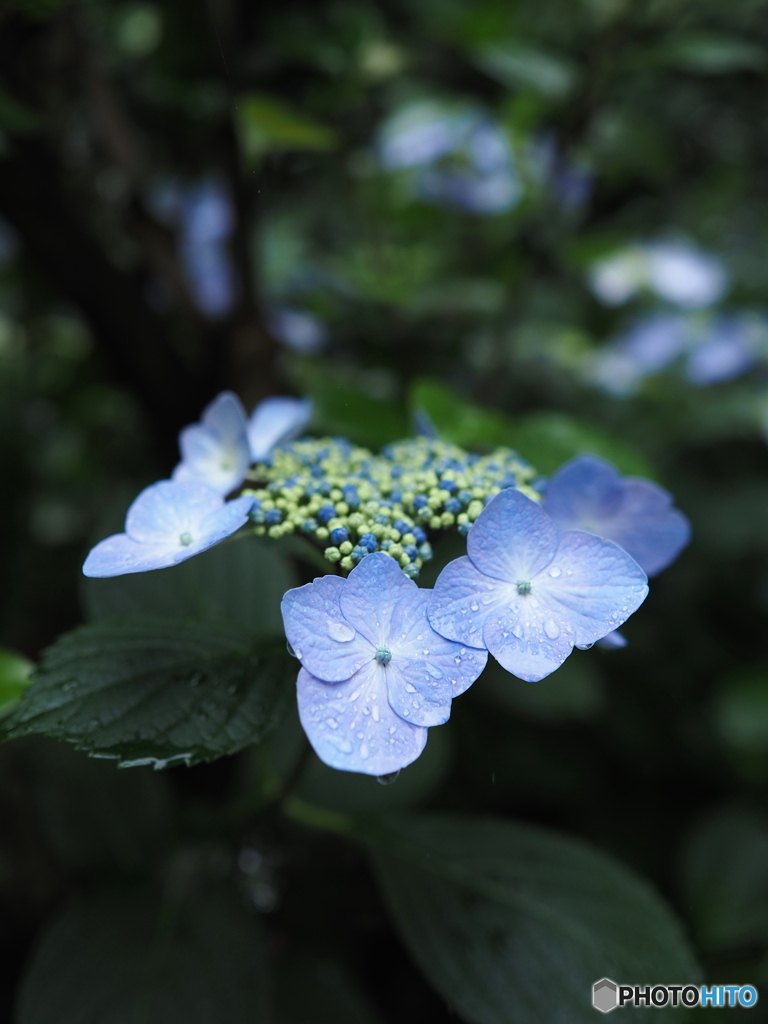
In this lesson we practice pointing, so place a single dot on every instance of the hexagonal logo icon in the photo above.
(605, 995)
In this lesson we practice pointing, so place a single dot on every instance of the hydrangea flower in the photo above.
(168, 522)
(589, 494)
(216, 451)
(461, 158)
(675, 271)
(297, 329)
(529, 593)
(274, 421)
(374, 673)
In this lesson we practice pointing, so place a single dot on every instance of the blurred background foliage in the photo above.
(212, 193)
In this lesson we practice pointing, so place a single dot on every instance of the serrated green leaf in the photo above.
(133, 958)
(513, 924)
(153, 692)
(15, 675)
(241, 583)
(266, 124)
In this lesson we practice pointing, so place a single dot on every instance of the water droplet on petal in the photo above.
(555, 571)
(434, 671)
(474, 606)
(457, 659)
(364, 751)
(375, 713)
(584, 647)
(552, 629)
(410, 688)
(387, 780)
(340, 631)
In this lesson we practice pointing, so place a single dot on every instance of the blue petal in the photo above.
(589, 494)
(221, 523)
(512, 538)
(216, 451)
(526, 645)
(118, 555)
(276, 420)
(413, 640)
(461, 601)
(322, 639)
(371, 594)
(164, 511)
(352, 727)
(591, 587)
(613, 641)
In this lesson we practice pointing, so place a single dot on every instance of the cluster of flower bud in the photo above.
(352, 502)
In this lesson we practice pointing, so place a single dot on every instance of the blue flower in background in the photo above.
(207, 221)
(649, 346)
(675, 271)
(529, 593)
(728, 348)
(712, 348)
(216, 451)
(167, 523)
(298, 330)
(460, 156)
(375, 674)
(274, 421)
(590, 494)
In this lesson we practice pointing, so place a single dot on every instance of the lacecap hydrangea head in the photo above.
(529, 593)
(374, 674)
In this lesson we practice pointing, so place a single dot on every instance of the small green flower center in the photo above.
(523, 587)
(383, 655)
(185, 539)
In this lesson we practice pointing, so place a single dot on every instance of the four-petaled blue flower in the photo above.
(375, 674)
(216, 451)
(590, 494)
(530, 594)
(274, 421)
(168, 522)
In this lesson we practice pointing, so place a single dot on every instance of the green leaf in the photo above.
(267, 125)
(15, 675)
(346, 408)
(322, 991)
(514, 65)
(92, 815)
(133, 958)
(513, 924)
(145, 691)
(14, 116)
(725, 878)
(548, 439)
(713, 54)
(741, 711)
(455, 419)
(239, 582)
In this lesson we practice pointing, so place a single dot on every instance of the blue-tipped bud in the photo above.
(419, 534)
(358, 553)
(368, 541)
(326, 512)
(464, 528)
(273, 517)
(453, 505)
(339, 535)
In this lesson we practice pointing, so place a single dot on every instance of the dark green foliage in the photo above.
(154, 691)
(136, 957)
(512, 923)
